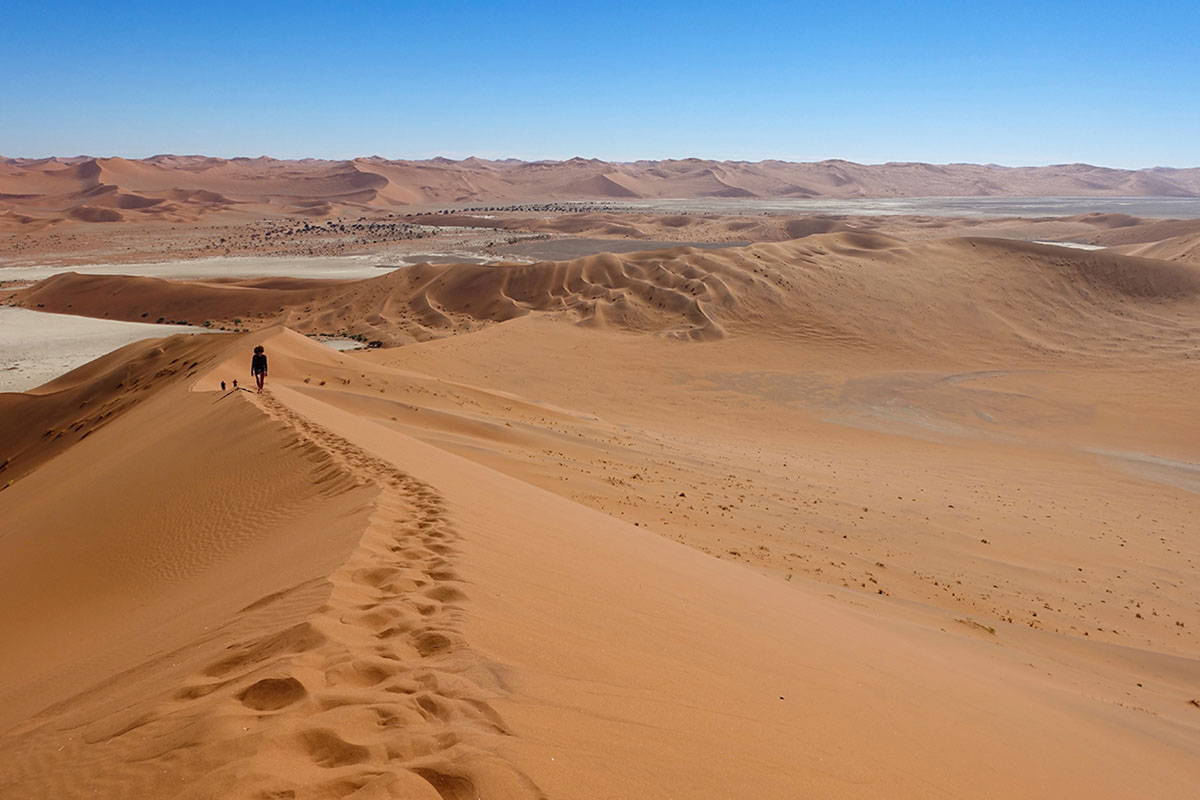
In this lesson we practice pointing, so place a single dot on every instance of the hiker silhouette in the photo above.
(258, 367)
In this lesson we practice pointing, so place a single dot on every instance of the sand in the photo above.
(181, 189)
(847, 516)
(259, 243)
(856, 292)
(86, 211)
(317, 268)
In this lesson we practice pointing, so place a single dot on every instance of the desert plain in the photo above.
(630, 498)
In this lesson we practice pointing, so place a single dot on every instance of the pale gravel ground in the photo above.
(353, 267)
(1162, 207)
(332, 267)
(36, 347)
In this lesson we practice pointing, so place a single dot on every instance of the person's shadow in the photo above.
(228, 392)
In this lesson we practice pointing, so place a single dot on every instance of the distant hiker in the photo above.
(235, 383)
(222, 386)
(258, 367)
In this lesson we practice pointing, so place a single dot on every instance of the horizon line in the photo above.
(596, 159)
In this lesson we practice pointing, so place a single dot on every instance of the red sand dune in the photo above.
(188, 187)
(844, 517)
(1176, 248)
(860, 291)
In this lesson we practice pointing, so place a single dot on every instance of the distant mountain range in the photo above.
(182, 188)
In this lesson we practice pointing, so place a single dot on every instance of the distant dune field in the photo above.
(35, 192)
(112, 210)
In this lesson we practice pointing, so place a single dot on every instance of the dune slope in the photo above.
(205, 597)
(1176, 248)
(841, 517)
(622, 649)
(332, 608)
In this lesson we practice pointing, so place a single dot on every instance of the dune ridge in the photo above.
(361, 632)
(48, 420)
(1185, 248)
(395, 620)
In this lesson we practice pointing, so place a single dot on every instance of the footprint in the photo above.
(327, 749)
(426, 609)
(272, 694)
(432, 707)
(432, 642)
(373, 576)
(358, 674)
(449, 785)
(407, 570)
(446, 594)
(297, 639)
(379, 618)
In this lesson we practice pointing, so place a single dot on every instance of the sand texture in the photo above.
(849, 516)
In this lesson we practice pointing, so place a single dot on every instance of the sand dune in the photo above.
(866, 519)
(362, 612)
(858, 292)
(185, 188)
(1176, 248)
(1171, 240)
(1096, 229)
(113, 210)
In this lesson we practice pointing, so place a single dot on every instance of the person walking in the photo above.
(258, 367)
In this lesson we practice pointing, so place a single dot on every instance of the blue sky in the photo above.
(1013, 83)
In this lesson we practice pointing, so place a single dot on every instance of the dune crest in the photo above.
(343, 669)
(311, 601)
(1185, 248)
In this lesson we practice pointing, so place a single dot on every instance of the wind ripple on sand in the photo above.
(376, 694)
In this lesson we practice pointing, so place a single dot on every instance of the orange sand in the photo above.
(113, 210)
(843, 517)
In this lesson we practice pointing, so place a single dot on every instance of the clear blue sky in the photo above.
(1112, 83)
